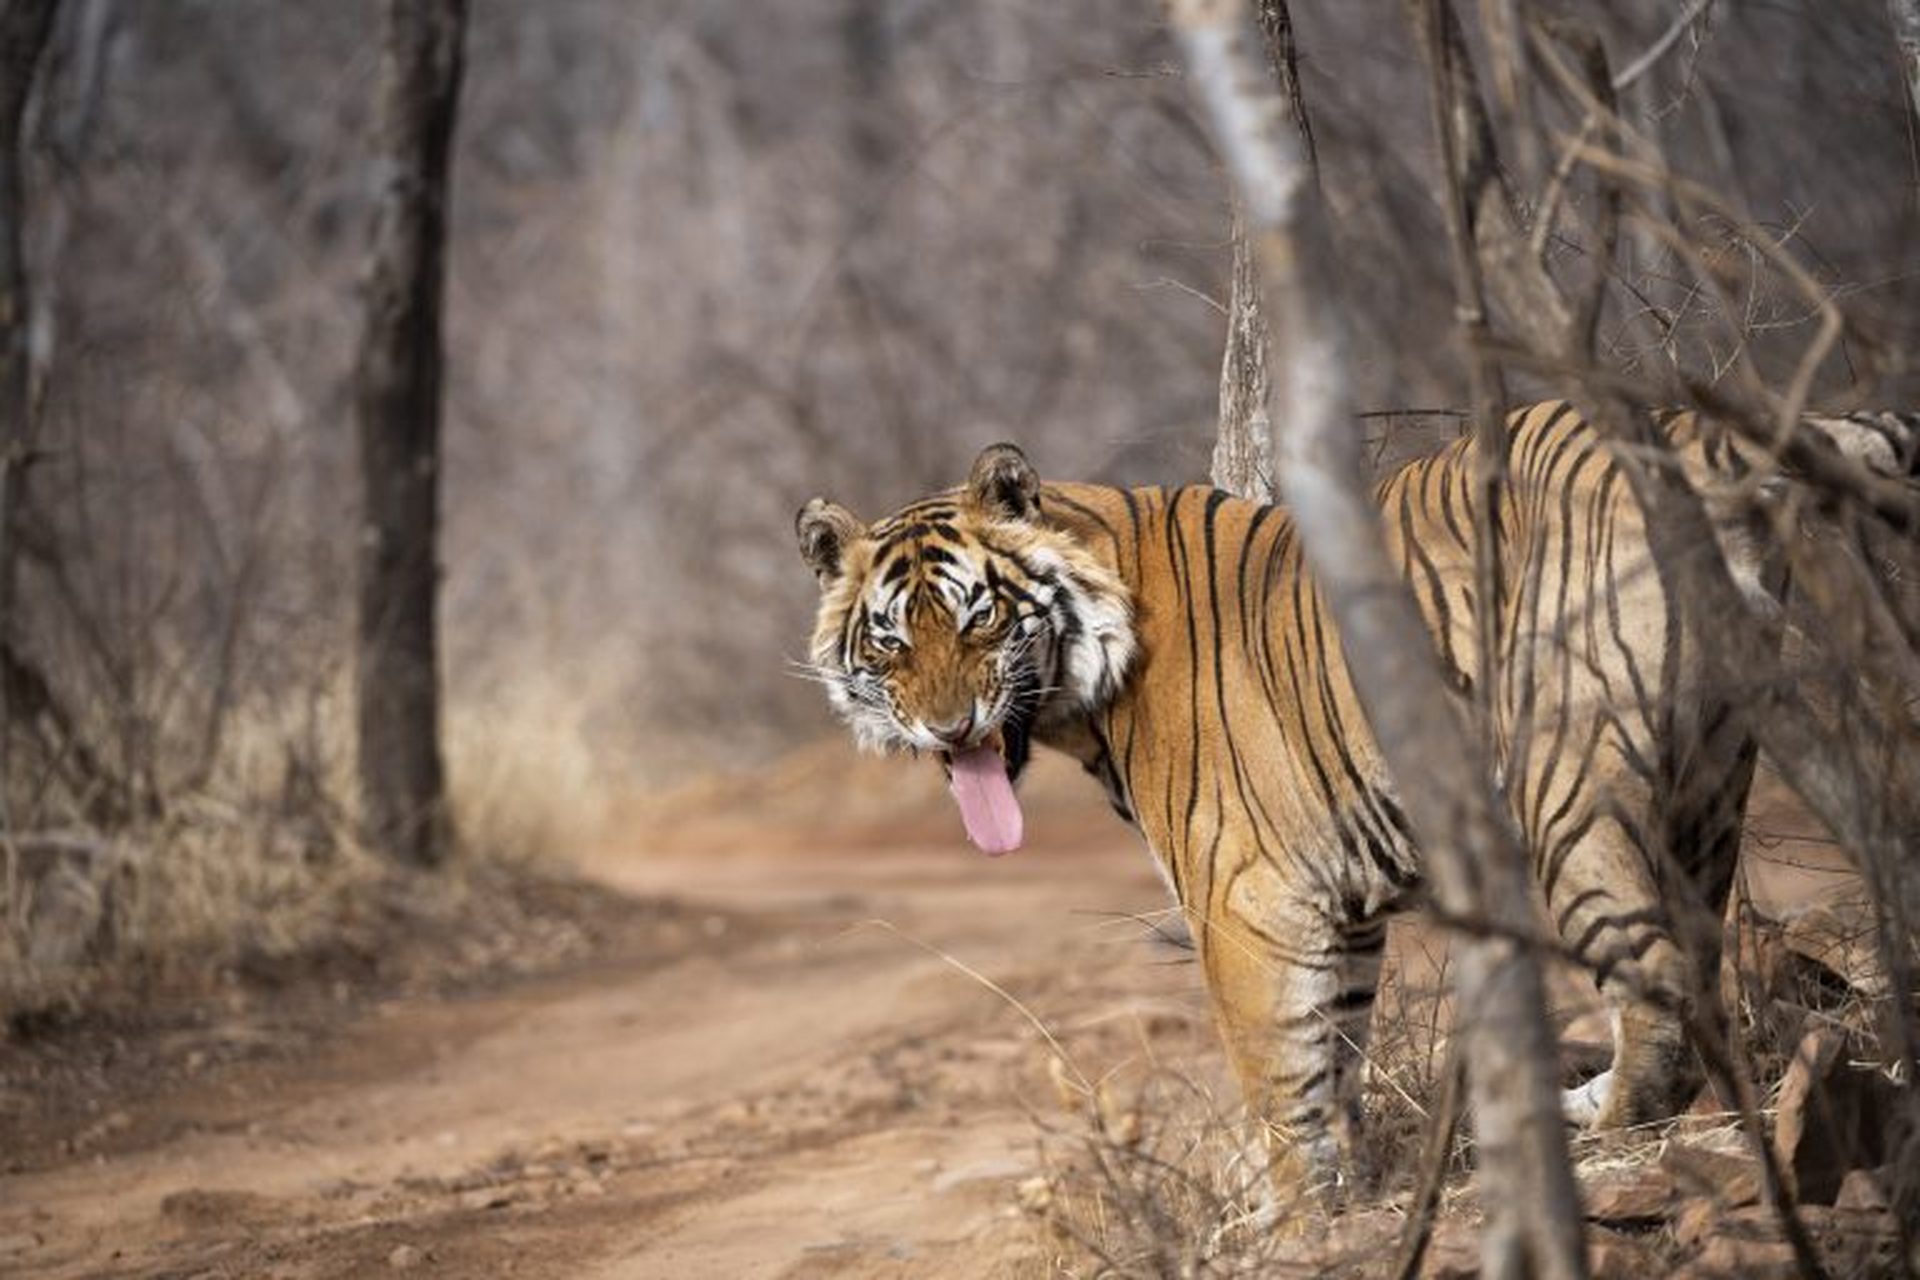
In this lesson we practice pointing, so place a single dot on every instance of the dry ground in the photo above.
(775, 1076)
(777, 1067)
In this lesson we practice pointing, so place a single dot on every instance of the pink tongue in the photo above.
(985, 795)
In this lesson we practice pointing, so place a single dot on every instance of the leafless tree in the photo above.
(398, 402)
(24, 28)
(1243, 446)
(1479, 868)
(1547, 70)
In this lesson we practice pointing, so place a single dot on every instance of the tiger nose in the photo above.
(953, 732)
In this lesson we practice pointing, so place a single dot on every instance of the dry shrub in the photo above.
(1155, 1171)
(1151, 1179)
(1150, 1172)
(260, 868)
(90, 918)
(523, 777)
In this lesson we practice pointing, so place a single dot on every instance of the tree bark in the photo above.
(397, 401)
(25, 26)
(1478, 866)
(1905, 15)
(1243, 447)
(1243, 444)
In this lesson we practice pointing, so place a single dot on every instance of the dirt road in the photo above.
(828, 1055)
(810, 1085)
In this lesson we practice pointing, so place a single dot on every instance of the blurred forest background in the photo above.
(709, 259)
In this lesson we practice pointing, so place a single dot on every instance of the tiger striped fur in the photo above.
(1174, 642)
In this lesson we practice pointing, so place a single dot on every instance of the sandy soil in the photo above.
(810, 1085)
(794, 1075)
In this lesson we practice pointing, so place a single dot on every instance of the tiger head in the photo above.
(960, 625)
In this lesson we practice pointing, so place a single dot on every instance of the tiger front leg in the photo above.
(1293, 999)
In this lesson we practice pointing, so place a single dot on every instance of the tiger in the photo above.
(1173, 641)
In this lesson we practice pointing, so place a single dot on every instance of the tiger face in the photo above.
(962, 624)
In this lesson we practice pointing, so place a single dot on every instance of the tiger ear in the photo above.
(1003, 483)
(824, 529)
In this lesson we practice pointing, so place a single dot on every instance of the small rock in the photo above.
(484, 1198)
(1842, 937)
(18, 1242)
(1701, 1220)
(1858, 1242)
(1753, 1222)
(405, 1257)
(1452, 1254)
(1629, 1196)
(1832, 1118)
(1730, 1179)
(1862, 1189)
(1695, 1222)
(1613, 1255)
(1727, 1256)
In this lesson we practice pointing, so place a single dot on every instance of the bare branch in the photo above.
(1512, 264)
(1276, 31)
(1658, 49)
(1446, 54)
(1533, 1221)
(1504, 22)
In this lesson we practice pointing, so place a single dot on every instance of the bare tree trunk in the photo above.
(1243, 447)
(1466, 161)
(397, 390)
(1533, 1224)
(1906, 34)
(24, 28)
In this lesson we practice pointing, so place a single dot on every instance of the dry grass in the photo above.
(156, 903)
(260, 865)
(1151, 1173)
(523, 775)
(1153, 1169)
(1152, 1178)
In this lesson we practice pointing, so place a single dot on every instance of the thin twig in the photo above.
(1437, 1151)
(1658, 49)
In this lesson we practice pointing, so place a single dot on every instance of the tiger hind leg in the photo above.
(1652, 936)
(1607, 907)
